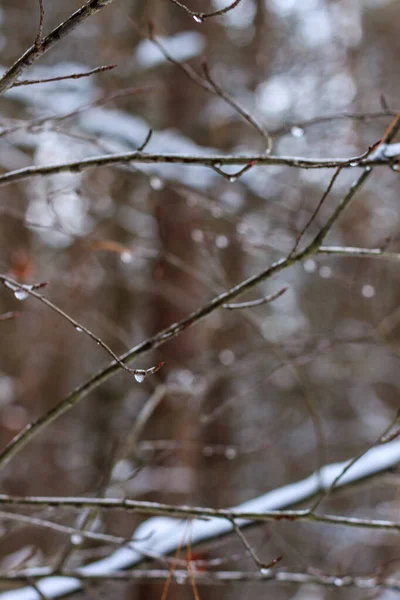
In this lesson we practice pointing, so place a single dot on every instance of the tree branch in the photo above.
(33, 53)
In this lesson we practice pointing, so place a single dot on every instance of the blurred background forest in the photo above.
(248, 400)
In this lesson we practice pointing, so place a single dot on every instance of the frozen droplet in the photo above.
(368, 291)
(338, 582)
(309, 265)
(354, 163)
(198, 19)
(265, 572)
(297, 131)
(21, 294)
(230, 453)
(233, 178)
(396, 167)
(226, 357)
(156, 183)
(76, 539)
(140, 376)
(368, 169)
(325, 272)
(221, 241)
(78, 329)
(197, 235)
(126, 257)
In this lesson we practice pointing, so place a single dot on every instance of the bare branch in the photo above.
(64, 77)
(259, 302)
(29, 290)
(183, 159)
(27, 520)
(233, 103)
(359, 252)
(195, 512)
(39, 36)
(33, 53)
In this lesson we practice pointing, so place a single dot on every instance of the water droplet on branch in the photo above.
(140, 376)
(198, 19)
(21, 294)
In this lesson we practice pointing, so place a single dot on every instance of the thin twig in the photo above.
(65, 529)
(63, 77)
(258, 302)
(39, 36)
(317, 209)
(199, 17)
(130, 446)
(359, 252)
(146, 141)
(363, 117)
(139, 374)
(251, 551)
(208, 84)
(233, 103)
(354, 460)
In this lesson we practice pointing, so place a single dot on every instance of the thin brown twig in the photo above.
(199, 17)
(233, 103)
(35, 124)
(208, 84)
(139, 374)
(258, 302)
(39, 36)
(65, 529)
(354, 460)
(363, 117)
(251, 550)
(317, 209)
(21, 82)
(146, 141)
(130, 446)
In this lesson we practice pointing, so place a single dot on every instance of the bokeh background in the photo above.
(254, 399)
